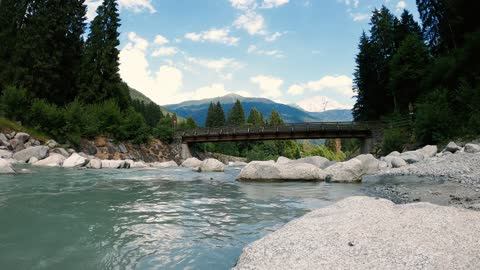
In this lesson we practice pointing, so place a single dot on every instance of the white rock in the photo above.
(370, 164)
(346, 172)
(271, 171)
(51, 144)
(75, 161)
(394, 153)
(3, 138)
(192, 162)
(94, 164)
(5, 154)
(5, 167)
(429, 151)
(237, 164)
(60, 151)
(137, 165)
(162, 165)
(53, 160)
(33, 160)
(472, 148)
(212, 165)
(40, 152)
(283, 160)
(412, 156)
(452, 147)
(396, 162)
(22, 137)
(115, 164)
(365, 233)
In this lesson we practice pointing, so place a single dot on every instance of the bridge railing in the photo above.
(287, 128)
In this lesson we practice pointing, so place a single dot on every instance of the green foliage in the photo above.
(236, 116)
(14, 101)
(255, 118)
(394, 139)
(165, 129)
(275, 119)
(215, 115)
(151, 112)
(47, 118)
(10, 125)
(308, 149)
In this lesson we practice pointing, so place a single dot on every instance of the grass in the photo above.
(6, 124)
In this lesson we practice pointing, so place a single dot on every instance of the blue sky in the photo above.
(290, 51)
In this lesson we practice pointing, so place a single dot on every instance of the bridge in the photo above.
(368, 132)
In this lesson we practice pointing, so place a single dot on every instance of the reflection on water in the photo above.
(144, 219)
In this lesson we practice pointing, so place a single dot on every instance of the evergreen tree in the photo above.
(405, 27)
(255, 118)
(236, 115)
(210, 122)
(275, 119)
(219, 115)
(101, 59)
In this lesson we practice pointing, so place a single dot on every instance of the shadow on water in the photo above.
(144, 219)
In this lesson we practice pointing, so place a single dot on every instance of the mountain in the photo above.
(136, 95)
(198, 109)
(333, 115)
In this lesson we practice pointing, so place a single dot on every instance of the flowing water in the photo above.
(56, 218)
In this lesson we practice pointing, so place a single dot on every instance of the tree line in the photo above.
(63, 80)
(429, 70)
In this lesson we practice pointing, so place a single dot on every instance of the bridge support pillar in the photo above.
(366, 146)
(185, 152)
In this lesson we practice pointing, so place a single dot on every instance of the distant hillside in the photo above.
(333, 115)
(198, 109)
(136, 95)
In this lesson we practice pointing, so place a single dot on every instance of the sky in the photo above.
(291, 51)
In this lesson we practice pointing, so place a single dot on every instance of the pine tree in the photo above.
(210, 122)
(255, 118)
(101, 59)
(236, 115)
(219, 115)
(275, 119)
(406, 26)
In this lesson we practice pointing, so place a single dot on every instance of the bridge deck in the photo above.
(289, 131)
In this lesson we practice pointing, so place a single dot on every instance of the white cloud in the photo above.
(133, 5)
(401, 5)
(320, 104)
(165, 51)
(162, 86)
(356, 2)
(92, 6)
(273, 37)
(358, 17)
(270, 86)
(243, 4)
(161, 40)
(214, 35)
(252, 22)
(274, 3)
(218, 65)
(273, 53)
(329, 84)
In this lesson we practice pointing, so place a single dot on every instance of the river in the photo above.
(56, 218)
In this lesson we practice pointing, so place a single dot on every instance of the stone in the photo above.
(168, 164)
(40, 152)
(370, 164)
(60, 151)
(237, 164)
(472, 148)
(191, 163)
(6, 167)
(395, 161)
(19, 146)
(71, 150)
(33, 160)
(75, 161)
(317, 161)
(3, 138)
(394, 153)
(212, 165)
(28, 144)
(115, 164)
(5, 154)
(122, 148)
(452, 147)
(22, 137)
(271, 171)
(53, 160)
(94, 164)
(412, 157)
(366, 233)
(429, 151)
(283, 160)
(51, 144)
(346, 172)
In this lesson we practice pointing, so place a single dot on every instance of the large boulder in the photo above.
(94, 164)
(192, 163)
(5, 167)
(3, 138)
(429, 151)
(346, 172)
(60, 151)
(40, 152)
(271, 171)
(283, 160)
(366, 233)
(53, 160)
(22, 137)
(212, 165)
(412, 156)
(452, 147)
(163, 165)
(5, 154)
(317, 161)
(472, 148)
(51, 144)
(75, 161)
(395, 161)
(237, 164)
(394, 154)
(370, 164)
(115, 164)
(137, 164)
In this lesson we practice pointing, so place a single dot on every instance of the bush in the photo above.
(47, 118)
(394, 139)
(134, 127)
(14, 102)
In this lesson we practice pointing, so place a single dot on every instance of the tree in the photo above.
(210, 122)
(219, 115)
(101, 79)
(405, 27)
(255, 118)
(275, 119)
(407, 69)
(236, 115)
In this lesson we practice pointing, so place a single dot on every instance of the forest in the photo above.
(428, 72)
